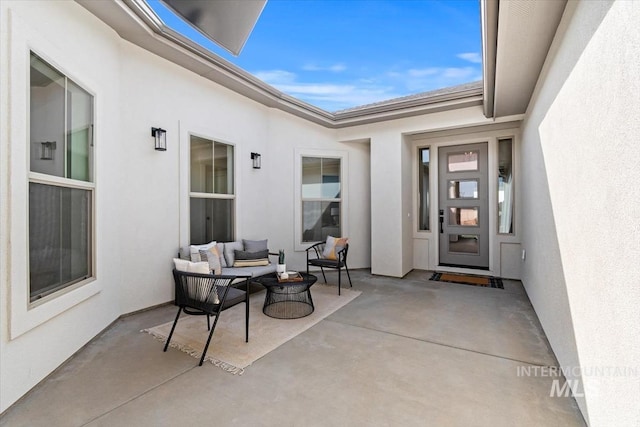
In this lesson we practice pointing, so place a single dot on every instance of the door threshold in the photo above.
(470, 267)
(464, 270)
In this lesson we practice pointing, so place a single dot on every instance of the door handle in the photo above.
(441, 220)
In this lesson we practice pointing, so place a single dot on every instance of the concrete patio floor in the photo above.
(407, 352)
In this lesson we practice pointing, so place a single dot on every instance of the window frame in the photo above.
(63, 182)
(213, 195)
(341, 155)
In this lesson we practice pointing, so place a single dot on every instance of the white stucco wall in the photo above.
(580, 177)
(141, 194)
(33, 342)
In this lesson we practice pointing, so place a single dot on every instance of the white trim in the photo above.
(24, 315)
(185, 207)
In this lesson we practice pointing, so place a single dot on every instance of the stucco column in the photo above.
(386, 205)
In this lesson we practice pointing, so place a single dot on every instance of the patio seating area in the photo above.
(406, 352)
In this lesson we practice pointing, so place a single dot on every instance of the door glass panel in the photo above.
(463, 216)
(460, 162)
(463, 189)
(464, 243)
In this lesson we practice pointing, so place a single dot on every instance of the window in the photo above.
(321, 198)
(61, 188)
(212, 193)
(423, 189)
(505, 186)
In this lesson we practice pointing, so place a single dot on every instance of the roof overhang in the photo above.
(137, 23)
(516, 36)
(228, 23)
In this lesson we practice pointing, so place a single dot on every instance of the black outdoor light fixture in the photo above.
(46, 150)
(256, 160)
(160, 136)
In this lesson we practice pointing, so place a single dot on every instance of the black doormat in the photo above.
(467, 279)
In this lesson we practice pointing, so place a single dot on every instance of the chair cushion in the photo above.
(329, 263)
(250, 271)
(333, 246)
(234, 296)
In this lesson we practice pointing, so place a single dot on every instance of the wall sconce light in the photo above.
(46, 150)
(160, 136)
(257, 163)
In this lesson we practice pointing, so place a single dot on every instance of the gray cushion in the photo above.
(229, 251)
(255, 245)
(250, 271)
(251, 255)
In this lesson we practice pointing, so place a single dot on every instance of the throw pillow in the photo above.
(255, 245)
(333, 246)
(229, 251)
(212, 257)
(250, 262)
(202, 288)
(191, 267)
(195, 251)
(244, 255)
(199, 267)
(181, 264)
(220, 246)
(185, 253)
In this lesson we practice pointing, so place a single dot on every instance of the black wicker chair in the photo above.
(315, 258)
(208, 295)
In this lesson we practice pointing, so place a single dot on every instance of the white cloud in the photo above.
(328, 95)
(432, 71)
(335, 68)
(417, 80)
(474, 57)
(275, 76)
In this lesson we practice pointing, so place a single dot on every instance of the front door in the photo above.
(463, 206)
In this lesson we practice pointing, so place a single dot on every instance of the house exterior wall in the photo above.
(579, 178)
(33, 342)
(396, 245)
(141, 196)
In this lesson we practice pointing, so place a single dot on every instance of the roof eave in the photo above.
(489, 22)
(135, 22)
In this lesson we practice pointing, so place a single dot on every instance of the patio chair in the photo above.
(207, 295)
(316, 258)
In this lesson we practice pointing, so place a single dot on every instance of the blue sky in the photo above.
(338, 54)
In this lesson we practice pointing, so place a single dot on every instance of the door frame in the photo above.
(484, 254)
(434, 144)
